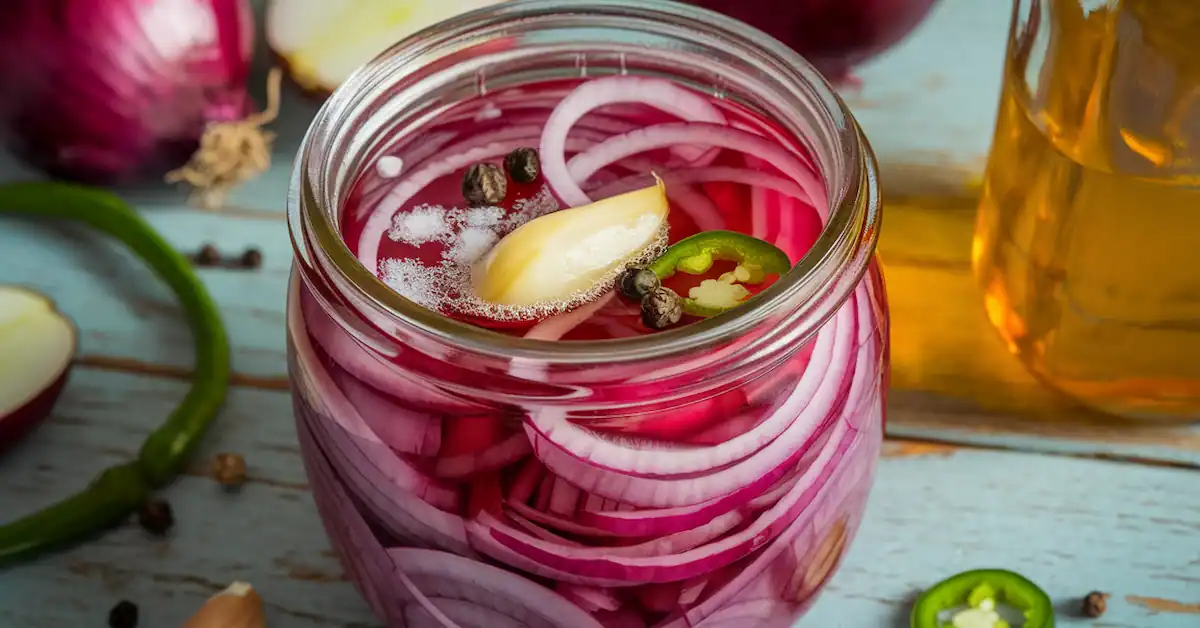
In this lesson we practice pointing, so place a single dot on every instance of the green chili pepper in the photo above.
(973, 597)
(119, 490)
(695, 255)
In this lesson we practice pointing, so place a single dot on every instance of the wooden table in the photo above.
(984, 468)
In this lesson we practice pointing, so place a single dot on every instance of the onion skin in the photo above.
(92, 97)
(833, 35)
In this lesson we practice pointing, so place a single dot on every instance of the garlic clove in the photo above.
(238, 606)
(554, 257)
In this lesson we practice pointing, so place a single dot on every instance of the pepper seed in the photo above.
(155, 516)
(123, 615)
(523, 165)
(484, 185)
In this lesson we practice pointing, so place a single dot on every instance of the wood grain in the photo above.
(1072, 525)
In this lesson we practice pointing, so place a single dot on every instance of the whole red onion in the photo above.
(100, 91)
(834, 35)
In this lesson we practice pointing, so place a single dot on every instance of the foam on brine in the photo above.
(468, 234)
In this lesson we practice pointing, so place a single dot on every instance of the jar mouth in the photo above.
(805, 295)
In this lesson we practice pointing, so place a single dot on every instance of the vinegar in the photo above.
(1087, 244)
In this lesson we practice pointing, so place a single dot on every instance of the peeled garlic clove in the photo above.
(559, 255)
(238, 606)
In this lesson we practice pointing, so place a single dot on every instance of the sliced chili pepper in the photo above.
(695, 255)
(119, 490)
(978, 592)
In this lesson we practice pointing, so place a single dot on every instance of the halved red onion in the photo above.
(596, 93)
(37, 347)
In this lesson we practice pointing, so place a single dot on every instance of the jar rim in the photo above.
(851, 228)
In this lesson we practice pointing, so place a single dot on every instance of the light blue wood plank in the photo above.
(928, 106)
(1072, 525)
(123, 311)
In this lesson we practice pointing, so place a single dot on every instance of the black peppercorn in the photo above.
(661, 309)
(636, 283)
(208, 256)
(123, 615)
(1095, 603)
(252, 258)
(155, 516)
(483, 185)
(523, 165)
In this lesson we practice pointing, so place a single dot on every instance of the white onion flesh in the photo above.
(37, 347)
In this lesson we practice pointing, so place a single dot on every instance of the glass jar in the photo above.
(1086, 237)
(469, 477)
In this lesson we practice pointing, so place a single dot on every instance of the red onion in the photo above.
(834, 35)
(102, 90)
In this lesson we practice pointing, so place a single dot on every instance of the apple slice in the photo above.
(571, 252)
(321, 42)
(37, 346)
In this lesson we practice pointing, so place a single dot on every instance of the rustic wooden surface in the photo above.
(985, 468)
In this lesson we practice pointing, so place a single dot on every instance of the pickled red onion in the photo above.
(597, 93)
(791, 164)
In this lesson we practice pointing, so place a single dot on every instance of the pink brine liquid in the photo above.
(732, 510)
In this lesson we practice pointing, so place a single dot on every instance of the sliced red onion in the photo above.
(658, 93)
(697, 206)
(758, 613)
(455, 613)
(527, 480)
(562, 524)
(440, 575)
(601, 567)
(713, 174)
(564, 498)
(351, 434)
(659, 136)
(403, 429)
(691, 591)
(555, 327)
(497, 456)
(370, 369)
(662, 521)
(364, 559)
(539, 531)
(591, 599)
(809, 401)
(403, 512)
